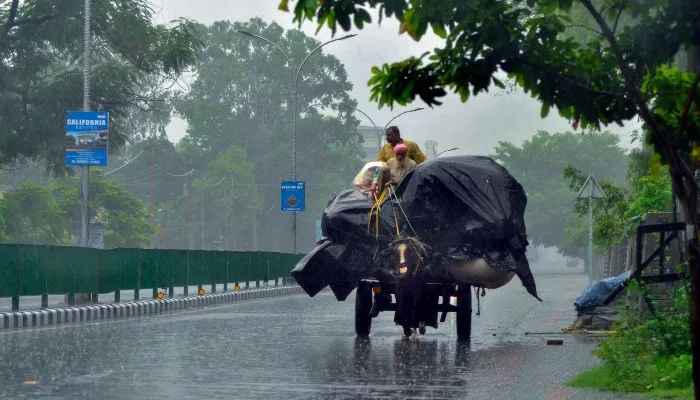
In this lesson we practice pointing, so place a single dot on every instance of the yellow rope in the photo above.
(377, 207)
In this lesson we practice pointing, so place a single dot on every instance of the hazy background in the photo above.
(474, 127)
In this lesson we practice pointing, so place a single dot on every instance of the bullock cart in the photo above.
(452, 225)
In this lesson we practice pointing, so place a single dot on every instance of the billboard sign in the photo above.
(292, 196)
(87, 136)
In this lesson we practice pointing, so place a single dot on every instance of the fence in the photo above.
(29, 270)
(655, 252)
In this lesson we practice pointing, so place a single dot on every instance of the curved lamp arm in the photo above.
(317, 48)
(445, 151)
(405, 112)
(376, 129)
(270, 42)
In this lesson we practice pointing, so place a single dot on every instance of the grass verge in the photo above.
(603, 378)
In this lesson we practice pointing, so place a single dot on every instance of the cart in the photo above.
(366, 288)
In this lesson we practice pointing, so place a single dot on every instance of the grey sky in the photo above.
(475, 127)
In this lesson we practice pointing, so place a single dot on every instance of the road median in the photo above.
(102, 312)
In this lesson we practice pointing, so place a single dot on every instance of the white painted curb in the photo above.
(101, 312)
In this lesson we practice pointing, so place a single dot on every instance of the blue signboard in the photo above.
(87, 137)
(293, 196)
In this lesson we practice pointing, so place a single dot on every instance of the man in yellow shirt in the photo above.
(393, 137)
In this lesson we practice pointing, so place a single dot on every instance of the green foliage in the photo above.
(240, 107)
(654, 194)
(523, 39)
(51, 214)
(604, 378)
(617, 216)
(226, 185)
(604, 76)
(640, 165)
(538, 165)
(609, 228)
(125, 215)
(667, 90)
(31, 216)
(652, 355)
(41, 47)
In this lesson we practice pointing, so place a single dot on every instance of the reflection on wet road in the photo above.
(305, 348)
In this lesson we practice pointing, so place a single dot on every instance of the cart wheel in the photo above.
(363, 305)
(464, 312)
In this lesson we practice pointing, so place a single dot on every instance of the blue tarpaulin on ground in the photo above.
(595, 293)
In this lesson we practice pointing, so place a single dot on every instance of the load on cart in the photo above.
(450, 225)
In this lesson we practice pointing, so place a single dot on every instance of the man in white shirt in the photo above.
(400, 164)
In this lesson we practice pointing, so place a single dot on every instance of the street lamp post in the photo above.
(591, 190)
(376, 129)
(85, 170)
(294, 126)
(445, 151)
(379, 133)
(400, 114)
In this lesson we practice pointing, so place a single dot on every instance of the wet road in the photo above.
(305, 348)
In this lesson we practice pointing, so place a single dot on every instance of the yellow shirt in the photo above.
(414, 152)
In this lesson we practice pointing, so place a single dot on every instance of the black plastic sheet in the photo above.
(461, 206)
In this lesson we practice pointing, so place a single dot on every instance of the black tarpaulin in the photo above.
(461, 206)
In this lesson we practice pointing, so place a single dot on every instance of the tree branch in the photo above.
(4, 87)
(584, 27)
(686, 191)
(617, 17)
(646, 114)
(10, 21)
(37, 21)
(573, 81)
(688, 102)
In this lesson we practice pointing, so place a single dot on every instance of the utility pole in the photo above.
(229, 221)
(591, 190)
(85, 170)
(254, 214)
(152, 196)
(201, 216)
(189, 213)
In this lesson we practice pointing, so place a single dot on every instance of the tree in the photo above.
(242, 98)
(41, 45)
(619, 73)
(31, 216)
(610, 224)
(50, 214)
(125, 216)
(617, 216)
(222, 192)
(539, 165)
(151, 169)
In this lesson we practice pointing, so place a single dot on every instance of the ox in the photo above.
(413, 264)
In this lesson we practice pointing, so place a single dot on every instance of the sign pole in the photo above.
(293, 199)
(590, 190)
(590, 236)
(85, 170)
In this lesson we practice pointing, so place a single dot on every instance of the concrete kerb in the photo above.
(102, 312)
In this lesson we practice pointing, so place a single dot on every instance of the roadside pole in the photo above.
(591, 190)
(87, 134)
(85, 170)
